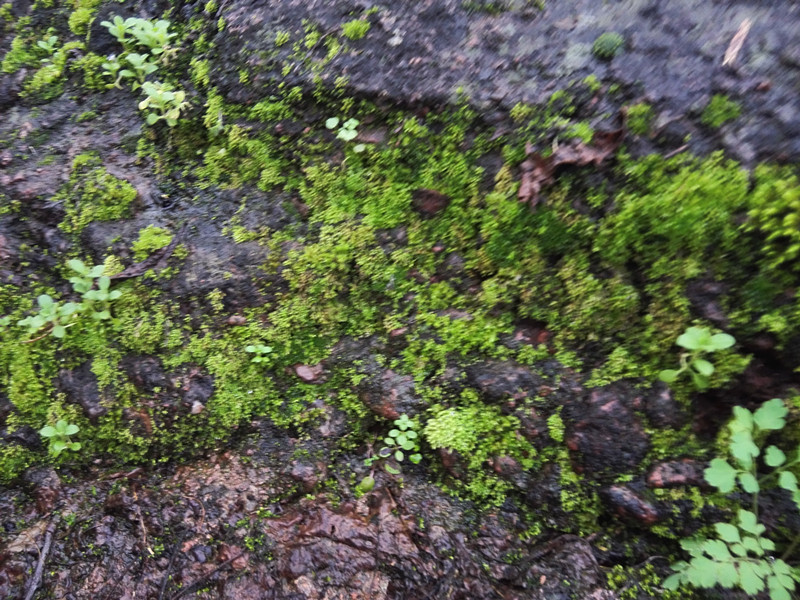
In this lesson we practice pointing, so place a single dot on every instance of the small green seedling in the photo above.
(53, 314)
(49, 46)
(120, 28)
(739, 556)
(166, 103)
(398, 444)
(347, 132)
(140, 68)
(155, 36)
(113, 69)
(698, 341)
(95, 301)
(260, 352)
(59, 436)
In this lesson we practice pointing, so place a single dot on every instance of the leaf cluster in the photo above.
(165, 103)
(59, 436)
(698, 341)
(162, 102)
(96, 296)
(259, 351)
(738, 556)
(347, 132)
(398, 443)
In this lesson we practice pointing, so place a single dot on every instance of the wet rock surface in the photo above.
(275, 515)
(673, 57)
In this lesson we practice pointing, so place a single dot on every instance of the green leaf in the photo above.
(752, 545)
(774, 456)
(694, 338)
(673, 582)
(742, 419)
(71, 429)
(390, 469)
(722, 341)
(749, 523)
(749, 483)
(48, 431)
(721, 475)
(366, 485)
(771, 415)
(783, 572)
(394, 432)
(728, 532)
(332, 122)
(738, 550)
(767, 544)
(699, 381)
(45, 301)
(743, 448)
(74, 446)
(704, 367)
(749, 579)
(152, 118)
(727, 575)
(59, 331)
(717, 549)
(787, 481)
(388, 441)
(668, 375)
(58, 446)
(415, 458)
(776, 590)
(398, 456)
(78, 266)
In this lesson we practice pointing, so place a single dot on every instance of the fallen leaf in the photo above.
(538, 171)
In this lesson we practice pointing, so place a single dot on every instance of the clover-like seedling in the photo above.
(260, 352)
(399, 442)
(347, 132)
(59, 436)
(166, 103)
(698, 341)
(120, 28)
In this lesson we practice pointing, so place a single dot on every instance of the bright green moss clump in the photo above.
(93, 194)
(719, 110)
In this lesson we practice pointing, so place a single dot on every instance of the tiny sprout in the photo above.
(698, 341)
(59, 436)
(260, 351)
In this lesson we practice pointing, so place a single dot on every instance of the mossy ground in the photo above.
(604, 265)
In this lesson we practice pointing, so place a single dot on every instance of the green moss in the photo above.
(775, 218)
(356, 29)
(720, 109)
(150, 239)
(82, 16)
(19, 55)
(478, 433)
(640, 116)
(608, 45)
(93, 194)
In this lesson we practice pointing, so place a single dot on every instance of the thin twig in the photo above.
(37, 576)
